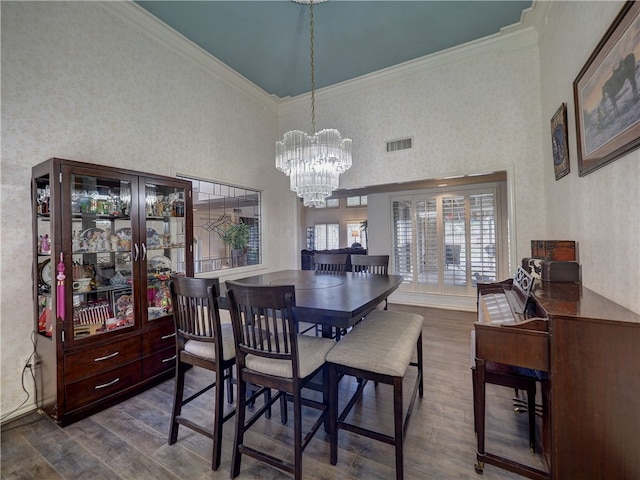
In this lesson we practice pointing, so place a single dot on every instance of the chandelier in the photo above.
(313, 162)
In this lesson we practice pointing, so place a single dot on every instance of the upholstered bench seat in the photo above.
(379, 348)
(383, 343)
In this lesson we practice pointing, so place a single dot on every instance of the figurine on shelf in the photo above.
(105, 240)
(45, 245)
(114, 243)
(75, 242)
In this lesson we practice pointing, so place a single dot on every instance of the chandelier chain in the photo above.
(313, 76)
(313, 162)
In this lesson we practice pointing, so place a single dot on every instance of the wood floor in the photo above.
(129, 441)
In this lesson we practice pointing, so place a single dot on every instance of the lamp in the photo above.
(313, 162)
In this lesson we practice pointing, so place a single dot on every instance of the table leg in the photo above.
(479, 391)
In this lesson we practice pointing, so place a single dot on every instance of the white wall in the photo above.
(488, 106)
(600, 210)
(81, 82)
(474, 109)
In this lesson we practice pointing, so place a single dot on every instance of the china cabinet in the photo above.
(106, 241)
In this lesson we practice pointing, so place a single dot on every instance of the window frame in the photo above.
(361, 201)
(349, 227)
(234, 204)
(470, 253)
(325, 238)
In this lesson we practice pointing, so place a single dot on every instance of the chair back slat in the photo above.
(330, 262)
(195, 307)
(378, 264)
(263, 321)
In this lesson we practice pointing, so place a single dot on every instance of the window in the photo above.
(446, 242)
(357, 201)
(330, 203)
(226, 226)
(356, 232)
(327, 236)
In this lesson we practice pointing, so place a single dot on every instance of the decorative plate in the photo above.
(90, 232)
(45, 272)
(159, 263)
(154, 239)
(124, 233)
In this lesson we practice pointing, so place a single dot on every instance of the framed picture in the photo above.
(559, 142)
(607, 104)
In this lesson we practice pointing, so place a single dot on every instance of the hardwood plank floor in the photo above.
(129, 440)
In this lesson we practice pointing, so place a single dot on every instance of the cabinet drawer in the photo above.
(159, 362)
(159, 338)
(84, 392)
(101, 358)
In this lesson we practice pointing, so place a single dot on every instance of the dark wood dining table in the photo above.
(332, 300)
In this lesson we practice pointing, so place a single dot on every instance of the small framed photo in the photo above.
(606, 95)
(559, 142)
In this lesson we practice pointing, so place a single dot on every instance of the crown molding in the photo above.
(514, 37)
(151, 25)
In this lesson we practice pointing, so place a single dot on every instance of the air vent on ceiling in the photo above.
(401, 144)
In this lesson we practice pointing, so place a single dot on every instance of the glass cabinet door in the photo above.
(164, 244)
(46, 266)
(103, 253)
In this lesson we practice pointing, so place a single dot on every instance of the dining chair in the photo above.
(376, 264)
(201, 341)
(330, 262)
(271, 354)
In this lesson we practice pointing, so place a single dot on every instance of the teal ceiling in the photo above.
(267, 41)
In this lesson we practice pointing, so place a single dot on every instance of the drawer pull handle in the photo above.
(106, 357)
(164, 337)
(105, 385)
(170, 359)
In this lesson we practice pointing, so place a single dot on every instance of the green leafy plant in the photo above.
(236, 235)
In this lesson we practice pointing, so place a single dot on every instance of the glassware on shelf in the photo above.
(125, 197)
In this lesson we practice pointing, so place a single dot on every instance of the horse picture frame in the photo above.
(606, 97)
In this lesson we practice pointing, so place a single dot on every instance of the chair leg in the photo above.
(218, 420)
(178, 395)
(229, 385)
(240, 421)
(531, 407)
(284, 413)
(297, 429)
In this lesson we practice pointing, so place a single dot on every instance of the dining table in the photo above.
(331, 299)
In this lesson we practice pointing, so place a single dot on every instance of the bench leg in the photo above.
(399, 427)
(420, 371)
(333, 414)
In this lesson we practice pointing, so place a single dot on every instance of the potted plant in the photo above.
(236, 236)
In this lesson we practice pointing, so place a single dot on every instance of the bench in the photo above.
(379, 348)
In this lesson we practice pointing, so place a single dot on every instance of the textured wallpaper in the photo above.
(84, 81)
(479, 114)
(601, 210)
(80, 82)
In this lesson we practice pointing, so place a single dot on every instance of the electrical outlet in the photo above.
(28, 362)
